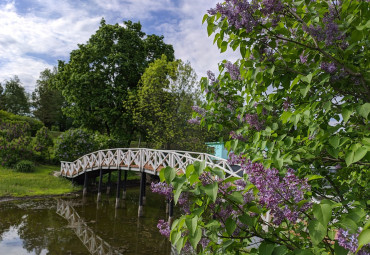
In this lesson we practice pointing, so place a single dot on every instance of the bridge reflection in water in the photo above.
(94, 244)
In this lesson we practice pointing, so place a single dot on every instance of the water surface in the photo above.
(82, 226)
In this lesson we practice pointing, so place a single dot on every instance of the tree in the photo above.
(100, 74)
(162, 108)
(301, 132)
(48, 101)
(15, 98)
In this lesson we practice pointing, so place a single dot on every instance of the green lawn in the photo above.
(41, 182)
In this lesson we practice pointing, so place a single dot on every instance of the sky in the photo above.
(35, 34)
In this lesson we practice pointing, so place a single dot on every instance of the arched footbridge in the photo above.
(145, 161)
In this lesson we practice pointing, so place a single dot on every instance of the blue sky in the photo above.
(34, 34)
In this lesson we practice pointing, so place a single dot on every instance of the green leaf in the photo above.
(266, 248)
(307, 78)
(339, 250)
(317, 231)
(169, 174)
(288, 141)
(333, 152)
(304, 90)
(334, 141)
(194, 240)
(314, 177)
(204, 18)
(280, 250)
(191, 224)
(322, 213)
(346, 113)
(199, 167)
(177, 195)
(363, 238)
(223, 46)
(349, 157)
(248, 220)
(230, 226)
(211, 190)
(359, 154)
(364, 110)
(236, 197)
(219, 172)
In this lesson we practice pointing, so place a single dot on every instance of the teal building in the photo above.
(219, 149)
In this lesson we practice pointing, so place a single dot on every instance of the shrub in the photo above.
(25, 166)
(73, 144)
(33, 123)
(43, 142)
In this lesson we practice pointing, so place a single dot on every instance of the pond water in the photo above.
(83, 226)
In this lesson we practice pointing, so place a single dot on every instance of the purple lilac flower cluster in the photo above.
(286, 104)
(330, 33)
(281, 196)
(164, 228)
(199, 110)
(328, 67)
(236, 136)
(195, 120)
(350, 242)
(211, 77)
(239, 13)
(252, 120)
(233, 70)
(163, 189)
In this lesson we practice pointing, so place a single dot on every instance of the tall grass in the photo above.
(40, 182)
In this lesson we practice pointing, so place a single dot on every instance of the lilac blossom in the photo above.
(195, 120)
(328, 67)
(211, 77)
(252, 120)
(279, 195)
(199, 110)
(236, 136)
(303, 58)
(164, 228)
(233, 70)
(162, 188)
(350, 242)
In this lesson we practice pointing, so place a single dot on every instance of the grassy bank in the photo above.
(41, 182)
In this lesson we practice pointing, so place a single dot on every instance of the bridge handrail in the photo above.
(139, 158)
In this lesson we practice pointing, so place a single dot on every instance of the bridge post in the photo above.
(170, 214)
(109, 182)
(142, 192)
(100, 182)
(124, 185)
(84, 192)
(118, 188)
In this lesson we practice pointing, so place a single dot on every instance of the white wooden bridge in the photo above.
(145, 161)
(141, 160)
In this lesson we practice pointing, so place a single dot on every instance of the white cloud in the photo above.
(33, 40)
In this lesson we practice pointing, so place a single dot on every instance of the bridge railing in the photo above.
(141, 159)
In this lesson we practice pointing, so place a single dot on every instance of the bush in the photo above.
(33, 123)
(25, 166)
(73, 144)
(43, 142)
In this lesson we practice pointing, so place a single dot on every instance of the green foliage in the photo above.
(15, 142)
(162, 106)
(73, 144)
(34, 124)
(300, 100)
(43, 142)
(100, 74)
(14, 98)
(25, 166)
(47, 101)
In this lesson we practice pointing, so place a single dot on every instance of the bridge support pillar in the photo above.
(142, 193)
(109, 184)
(84, 192)
(118, 188)
(124, 185)
(170, 213)
(100, 182)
